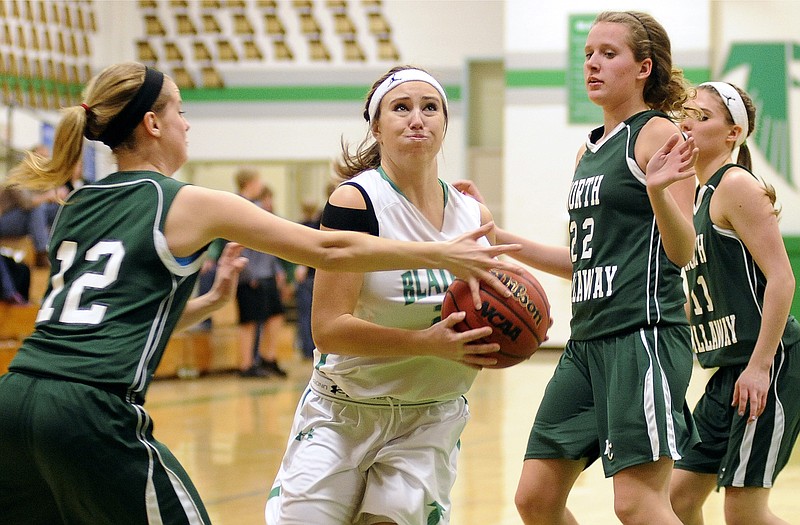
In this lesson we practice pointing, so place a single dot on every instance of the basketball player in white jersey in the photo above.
(376, 436)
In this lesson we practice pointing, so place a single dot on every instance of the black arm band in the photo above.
(351, 219)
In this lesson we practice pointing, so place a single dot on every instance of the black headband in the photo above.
(126, 120)
(647, 31)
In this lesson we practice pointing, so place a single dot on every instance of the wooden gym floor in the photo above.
(230, 434)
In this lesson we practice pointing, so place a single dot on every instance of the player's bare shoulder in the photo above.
(348, 196)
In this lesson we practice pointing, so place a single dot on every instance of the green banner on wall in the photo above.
(581, 109)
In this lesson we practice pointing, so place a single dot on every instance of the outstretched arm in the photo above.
(554, 260)
(199, 215)
(338, 331)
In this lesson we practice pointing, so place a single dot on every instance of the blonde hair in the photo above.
(666, 89)
(105, 96)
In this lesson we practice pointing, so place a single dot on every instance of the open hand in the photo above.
(751, 387)
(671, 163)
(229, 266)
(471, 261)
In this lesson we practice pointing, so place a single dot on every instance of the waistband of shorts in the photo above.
(323, 386)
(124, 393)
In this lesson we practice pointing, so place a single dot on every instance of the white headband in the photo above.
(733, 101)
(397, 78)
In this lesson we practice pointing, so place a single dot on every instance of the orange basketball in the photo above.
(519, 323)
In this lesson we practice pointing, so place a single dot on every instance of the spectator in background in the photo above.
(258, 295)
(207, 274)
(248, 183)
(304, 285)
(24, 212)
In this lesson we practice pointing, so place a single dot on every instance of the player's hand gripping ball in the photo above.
(519, 323)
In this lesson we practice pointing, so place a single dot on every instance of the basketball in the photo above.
(519, 323)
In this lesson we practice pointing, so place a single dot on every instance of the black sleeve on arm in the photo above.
(338, 218)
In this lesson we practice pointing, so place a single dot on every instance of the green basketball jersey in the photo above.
(621, 278)
(115, 291)
(726, 290)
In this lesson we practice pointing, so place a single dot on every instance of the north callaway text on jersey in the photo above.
(714, 334)
(587, 283)
(707, 333)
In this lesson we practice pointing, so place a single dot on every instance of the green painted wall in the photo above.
(321, 93)
(793, 249)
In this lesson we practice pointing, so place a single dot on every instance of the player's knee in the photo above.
(734, 517)
(742, 512)
(523, 503)
(686, 511)
(684, 504)
(630, 510)
(536, 506)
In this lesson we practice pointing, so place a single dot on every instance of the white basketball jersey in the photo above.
(410, 299)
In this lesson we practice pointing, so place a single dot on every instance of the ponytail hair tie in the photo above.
(86, 133)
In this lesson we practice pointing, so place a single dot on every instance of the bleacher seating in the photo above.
(225, 41)
(252, 51)
(183, 78)
(225, 51)
(210, 24)
(242, 25)
(173, 51)
(282, 49)
(184, 24)
(17, 320)
(153, 25)
(211, 77)
(146, 53)
(35, 33)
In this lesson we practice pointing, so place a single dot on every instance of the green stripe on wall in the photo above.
(289, 94)
(793, 249)
(557, 78)
(520, 78)
(236, 93)
(39, 84)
